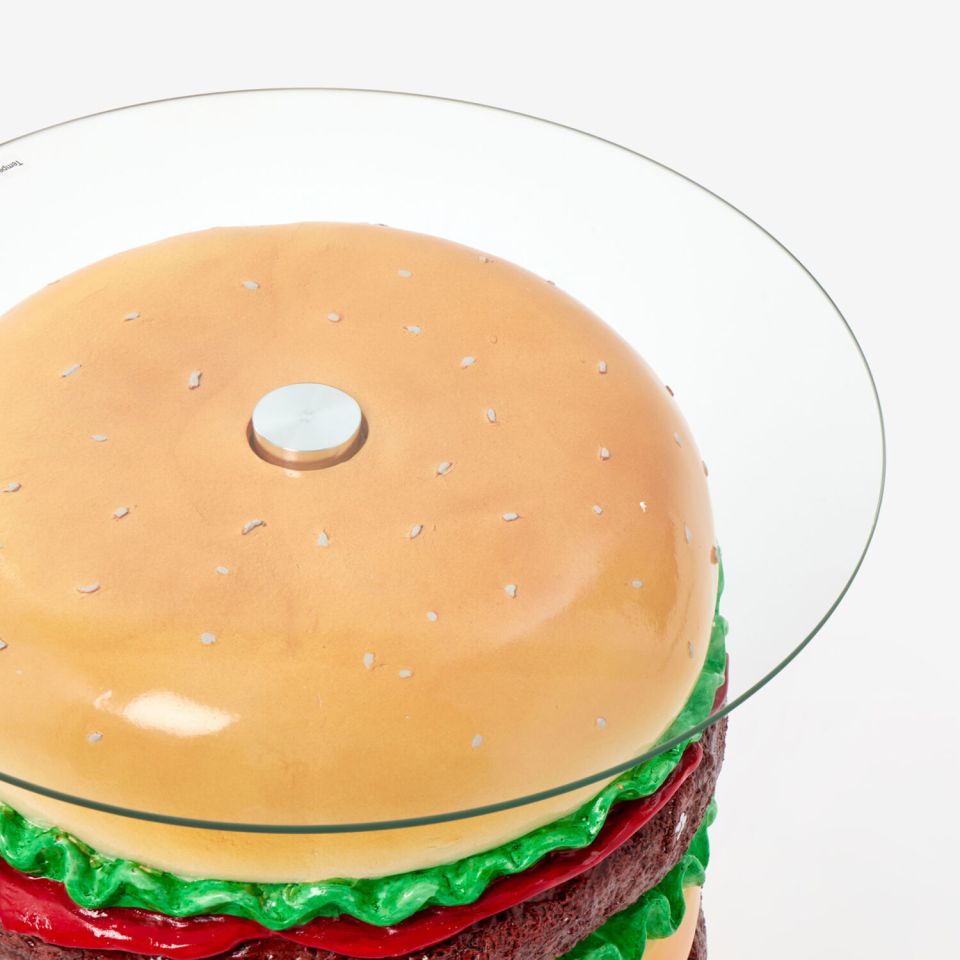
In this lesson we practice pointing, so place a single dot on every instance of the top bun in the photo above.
(508, 585)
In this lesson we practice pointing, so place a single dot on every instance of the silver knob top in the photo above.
(306, 426)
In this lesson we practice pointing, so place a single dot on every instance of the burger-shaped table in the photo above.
(360, 589)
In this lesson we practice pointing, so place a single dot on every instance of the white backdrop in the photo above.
(833, 126)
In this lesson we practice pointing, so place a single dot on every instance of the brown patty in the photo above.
(542, 928)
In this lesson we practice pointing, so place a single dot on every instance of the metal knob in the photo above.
(305, 426)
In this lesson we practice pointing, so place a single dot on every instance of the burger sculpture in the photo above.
(341, 525)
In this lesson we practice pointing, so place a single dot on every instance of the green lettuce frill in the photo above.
(657, 914)
(94, 881)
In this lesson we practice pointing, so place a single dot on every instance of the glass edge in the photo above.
(527, 799)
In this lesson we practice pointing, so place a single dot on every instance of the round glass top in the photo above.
(766, 370)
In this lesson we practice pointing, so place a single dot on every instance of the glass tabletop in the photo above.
(766, 370)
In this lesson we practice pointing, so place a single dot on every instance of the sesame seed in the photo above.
(323, 540)
(404, 273)
(601, 723)
(3, 644)
(432, 616)
(511, 590)
(252, 525)
(636, 584)
(413, 328)
(444, 467)
(71, 370)
(477, 741)
(602, 366)
(484, 259)
(687, 533)
(604, 453)
(468, 361)
(676, 437)
(510, 517)
(99, 437)
(713, 554)
(690, 647)
(95, 737)
(12, 487)
(491, 415)
(207, 638)
(368, 659)
(415, 531)
(194, 381)
(223, 571)
(404, 674)
(88, 588)
(121, 512)
(251, 284)
(597, 509)
(706, 472)
(668, 389)
(333, 317)
(643, 505)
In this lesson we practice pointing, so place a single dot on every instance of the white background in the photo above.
(834, 125)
